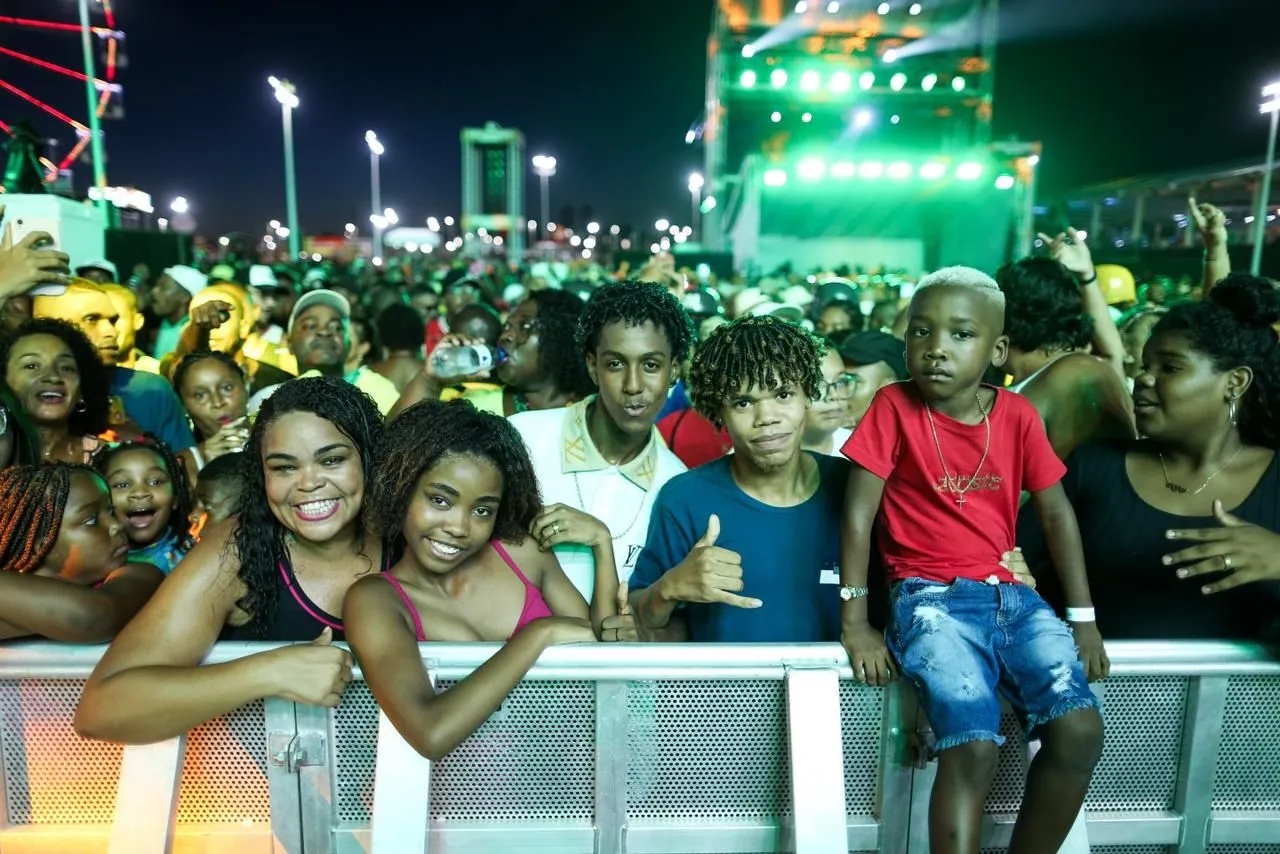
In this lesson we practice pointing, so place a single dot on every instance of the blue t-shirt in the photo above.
(152, 404)
(790, 555)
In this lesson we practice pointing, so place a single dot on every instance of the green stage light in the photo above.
(775, 177)
(776, 117)
(871, 169)
(708, 204)
(748, 79)
(806, 118)
(898, 81)
(958, 84)
(899, 171)
(1005, 182)
(933, 171)
(867, 80)
(843, 169)
(929, 81)
(778, 78)
(969, 171)
(841, 82)
(811, 168)
(810, 81)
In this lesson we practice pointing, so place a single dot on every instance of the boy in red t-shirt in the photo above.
(943, 460)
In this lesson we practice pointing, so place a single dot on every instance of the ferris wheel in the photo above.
(40, 71)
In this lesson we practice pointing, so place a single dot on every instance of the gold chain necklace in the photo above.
(1182, 490)
(577, 485)
(954, 480)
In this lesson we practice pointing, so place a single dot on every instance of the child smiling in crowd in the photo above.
(152, 500)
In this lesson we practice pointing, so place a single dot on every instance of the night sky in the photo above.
(607, 88)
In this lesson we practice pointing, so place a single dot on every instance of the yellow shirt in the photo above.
(485, 397)
(382, 390)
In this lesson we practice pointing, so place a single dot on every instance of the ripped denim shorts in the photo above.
(965, 644)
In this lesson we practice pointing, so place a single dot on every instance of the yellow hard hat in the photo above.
(1117, 284)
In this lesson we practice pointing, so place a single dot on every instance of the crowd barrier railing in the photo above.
(631, 748)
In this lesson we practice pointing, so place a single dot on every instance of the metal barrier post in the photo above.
(816, 743)
(1201, 735)
(282, 779)
(146, 815)
(896, 768)
(315, 764)
(611, 766)
(401, 795)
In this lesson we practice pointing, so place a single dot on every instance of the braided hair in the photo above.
(259, 538)
(1234, 327)
(428, 432)
(753, 352)
(95, 415)
(183, 496)
(557, 324)
(634, 304)
(32, 501)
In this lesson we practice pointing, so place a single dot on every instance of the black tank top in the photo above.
(297, 618)
(1138, 597)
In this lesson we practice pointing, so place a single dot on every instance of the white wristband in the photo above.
(1081, 615)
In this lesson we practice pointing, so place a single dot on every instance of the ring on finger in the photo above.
(555, 528)
(1226, 561)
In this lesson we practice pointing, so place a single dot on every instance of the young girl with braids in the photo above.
(456, 495)
(277, 571)
(67, 574)
(152, 500)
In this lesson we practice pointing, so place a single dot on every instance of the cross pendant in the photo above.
(960, 500)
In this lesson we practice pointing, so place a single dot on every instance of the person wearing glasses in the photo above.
(824, 430)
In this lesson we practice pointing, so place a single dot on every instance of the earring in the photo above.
(81, 406)
(1231, 410)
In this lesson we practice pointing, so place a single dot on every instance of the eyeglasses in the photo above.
(838, 389)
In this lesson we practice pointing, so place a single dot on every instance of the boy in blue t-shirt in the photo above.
(940, 462)
(746, 548)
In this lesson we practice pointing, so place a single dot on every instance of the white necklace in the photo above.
(953, 480)
(577, 485)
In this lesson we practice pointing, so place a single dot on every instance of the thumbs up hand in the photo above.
(623, 626)
(315, 673)
(709, 573)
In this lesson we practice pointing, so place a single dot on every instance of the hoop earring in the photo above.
(81, 406)
(1231, 410)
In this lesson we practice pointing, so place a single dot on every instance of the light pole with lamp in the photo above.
(95, 127)
(376, 150)
(287, 95)
(696, 183)
(1271, 106)
(545, 167)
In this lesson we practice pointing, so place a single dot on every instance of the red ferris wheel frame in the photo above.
(107, 86)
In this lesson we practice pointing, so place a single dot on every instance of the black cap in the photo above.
(703, 302)
(868, 348)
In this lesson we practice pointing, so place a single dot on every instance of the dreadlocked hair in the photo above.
(183, 497)
(418, 438)
(634, 304)
(1235, 327)
(93, 416)
(26, 441)
(753, 352)
(32, 501)
(557, 324)
(259, 538)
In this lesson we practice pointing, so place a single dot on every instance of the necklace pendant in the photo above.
(960, 501)
(1175, 488)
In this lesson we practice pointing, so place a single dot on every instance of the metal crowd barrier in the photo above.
(632, 748)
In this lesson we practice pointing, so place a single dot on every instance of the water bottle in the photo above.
(451, 363)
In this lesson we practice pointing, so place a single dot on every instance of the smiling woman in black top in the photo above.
(1180, 527)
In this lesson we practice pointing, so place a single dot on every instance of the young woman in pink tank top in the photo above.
(455, 494)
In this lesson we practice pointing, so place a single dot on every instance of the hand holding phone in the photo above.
(29, 263)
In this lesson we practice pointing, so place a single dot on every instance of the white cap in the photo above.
(788, 313)
(189, 279)
(797, 295)
(100, 264)
(315, 274)
(260, 276)
(333, 299)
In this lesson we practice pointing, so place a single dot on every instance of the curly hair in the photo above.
(259, 538)
(190, 360)
(94, 416)
(1234, 327)
(557, 324)
(26, 441)
(1043, 307)
(634, 304)
(183, 496)
(32, 501)
(753, 352)
(428, 432)
(401, 328)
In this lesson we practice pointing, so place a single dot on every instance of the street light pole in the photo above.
(376, 150)
(545, 167)
(696, 183)
(287, 95)
(95, 126)
(1264, 198)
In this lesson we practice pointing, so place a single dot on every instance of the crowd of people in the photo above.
(971, 481)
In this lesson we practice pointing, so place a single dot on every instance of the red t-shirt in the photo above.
(693, 439)
(923, 531)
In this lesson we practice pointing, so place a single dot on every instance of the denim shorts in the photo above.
(966, 644)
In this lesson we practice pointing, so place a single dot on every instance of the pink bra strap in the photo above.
(297, 597)
(502, 553)
(413, 612)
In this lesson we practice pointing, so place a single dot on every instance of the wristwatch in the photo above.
(848, 592)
